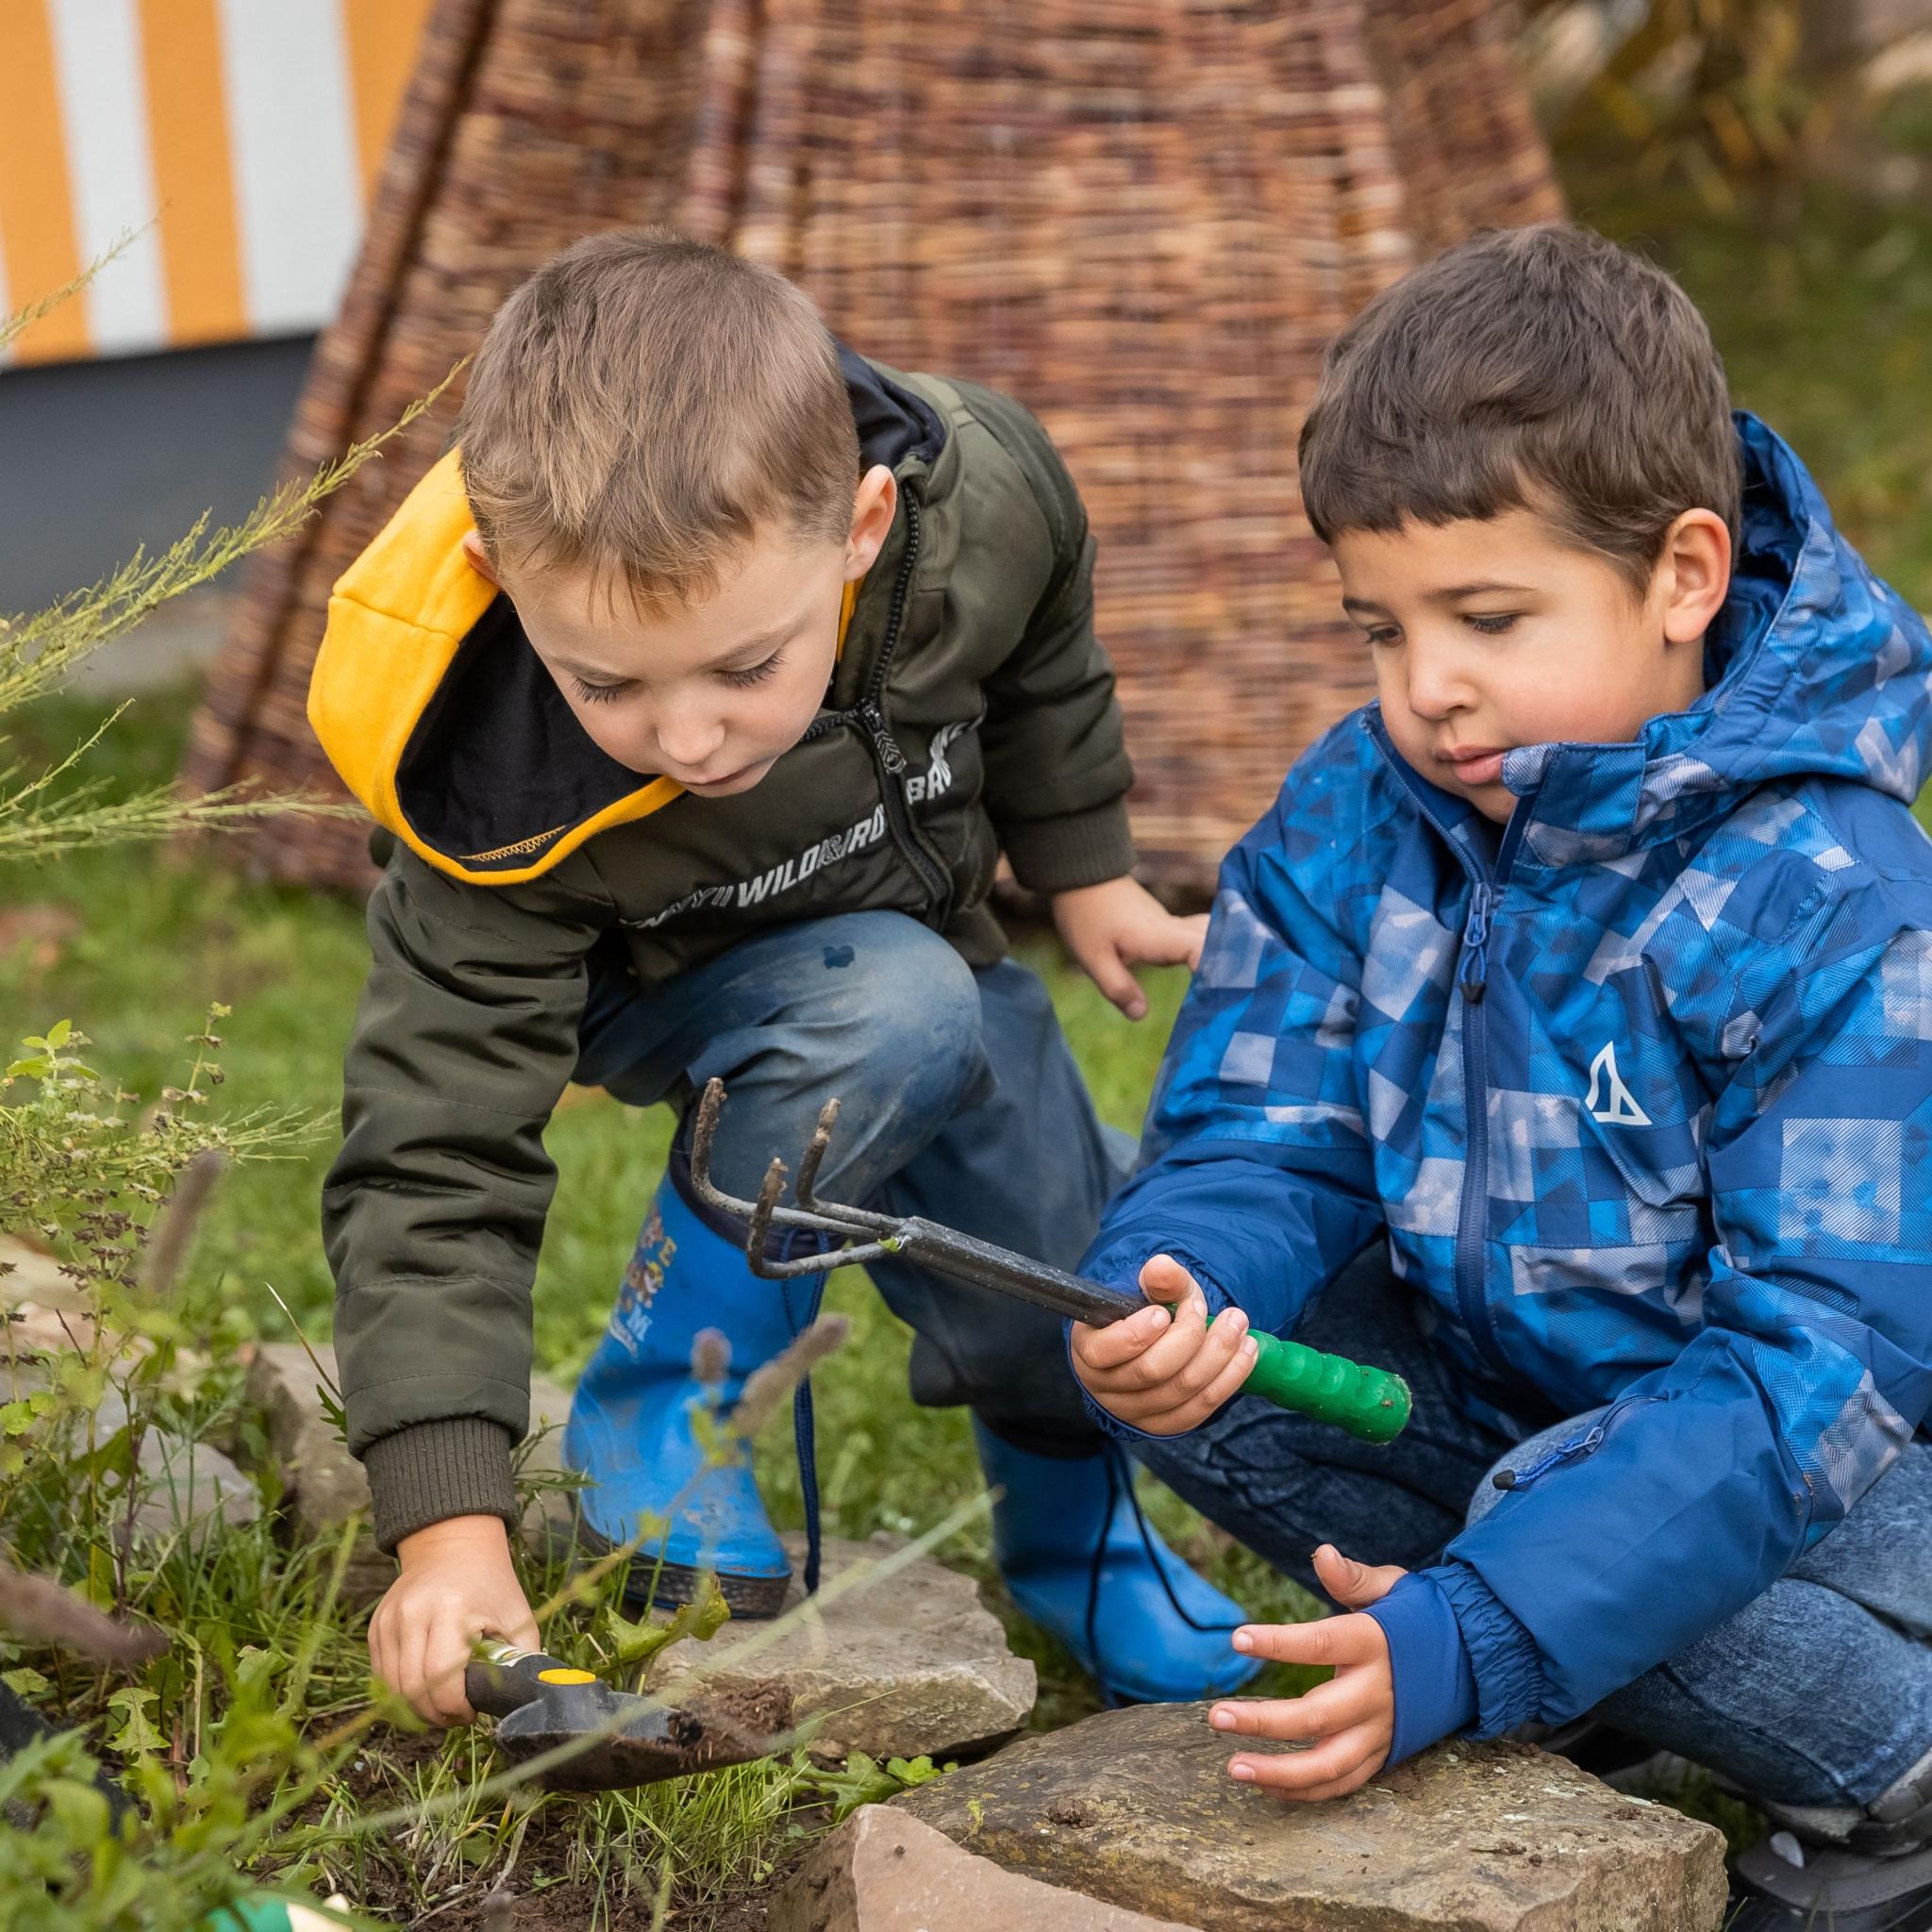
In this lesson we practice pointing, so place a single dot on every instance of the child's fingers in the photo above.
(1186, 1356)
(1167, 942)
(1336, 1641)
(1335, 1788)
(1352, 1584)
(1118, 1343)
(1197, 937)
(1163, 1279)
(1353, 1753)
(412, 1680)
(1223, 1388)
(1104, 965)
(446, 1657)
(1325, 1712)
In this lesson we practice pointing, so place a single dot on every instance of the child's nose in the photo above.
(1436, 685)
(689, 739)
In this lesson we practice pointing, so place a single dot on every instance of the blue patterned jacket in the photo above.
(1637, 1089)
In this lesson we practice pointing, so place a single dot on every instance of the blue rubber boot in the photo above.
(1080, 1561)
(631, 1424)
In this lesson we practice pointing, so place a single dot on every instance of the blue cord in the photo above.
(804, 1434)
(1120, 1479)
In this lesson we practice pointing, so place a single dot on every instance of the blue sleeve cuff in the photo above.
(1508, 1666)
(1435, 1687)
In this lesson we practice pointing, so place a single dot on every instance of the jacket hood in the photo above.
(441, 719)
(1816, 668)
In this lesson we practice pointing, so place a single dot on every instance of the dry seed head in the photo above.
(766, 1388)
(40, 1609)
(710, 1357)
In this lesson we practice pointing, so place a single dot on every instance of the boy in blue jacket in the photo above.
(1564, 1040)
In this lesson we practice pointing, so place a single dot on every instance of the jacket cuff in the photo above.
(432, 1471)
(1502, 1655)
(1075, 849)
(1435, 1687)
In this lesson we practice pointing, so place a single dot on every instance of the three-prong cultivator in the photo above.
(1372, 1404)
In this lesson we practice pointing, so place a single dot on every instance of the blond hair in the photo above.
(644, 402)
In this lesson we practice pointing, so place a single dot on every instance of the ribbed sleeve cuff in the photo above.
(1502, 1654)
(1077, 848)
(1435, 1687)
(433, 1471)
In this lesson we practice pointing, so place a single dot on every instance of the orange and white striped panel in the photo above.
(239, 140)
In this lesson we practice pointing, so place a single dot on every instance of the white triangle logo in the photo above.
(1618, 1109)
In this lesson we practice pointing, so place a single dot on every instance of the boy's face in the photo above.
(714, 692)
(1493, 633)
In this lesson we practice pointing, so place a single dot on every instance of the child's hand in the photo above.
(1112, 927)
(1348, 1721)
(1165, 1372)
(457, 1584)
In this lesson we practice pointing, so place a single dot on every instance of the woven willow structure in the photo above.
(1145, 218)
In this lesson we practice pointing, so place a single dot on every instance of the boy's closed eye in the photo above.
(1489, 624)
(742, 678)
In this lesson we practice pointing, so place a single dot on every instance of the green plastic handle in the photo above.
(1370, 1404)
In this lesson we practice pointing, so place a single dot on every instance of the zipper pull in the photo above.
(1475, 945)
(889, 754)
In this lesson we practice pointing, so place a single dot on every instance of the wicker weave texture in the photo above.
(1146, 218)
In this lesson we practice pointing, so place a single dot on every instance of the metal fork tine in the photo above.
(814, 1153)
(771, 1187)
(847, 1224)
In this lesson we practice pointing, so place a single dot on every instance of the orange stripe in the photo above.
(188, 130)
(382, 36)
(36, 208)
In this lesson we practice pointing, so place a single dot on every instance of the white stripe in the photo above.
(291, 127)
(104, 120)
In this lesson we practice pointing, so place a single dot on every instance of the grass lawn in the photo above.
(1824, 310)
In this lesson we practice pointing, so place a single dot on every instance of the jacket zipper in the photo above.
(1471, 1215)
(1473, 1212)
(870, 717)
(1473, 982)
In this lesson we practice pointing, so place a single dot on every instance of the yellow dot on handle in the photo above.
(565, 1677)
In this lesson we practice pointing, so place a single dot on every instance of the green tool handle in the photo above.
(1370, 1404)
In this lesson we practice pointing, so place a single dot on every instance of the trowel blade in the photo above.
(645, 1749)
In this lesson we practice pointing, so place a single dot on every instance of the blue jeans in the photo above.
(960, 1101)
(1818, 1693)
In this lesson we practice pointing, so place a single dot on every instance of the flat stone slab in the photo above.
(914, 1666)
(186, 1486)
(1135, 1807)
(322, 1485)
(883, 1870)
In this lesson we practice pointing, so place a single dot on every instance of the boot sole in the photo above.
(651, 1584)
(669, 1586)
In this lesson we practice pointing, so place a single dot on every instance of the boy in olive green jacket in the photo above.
(700, 688)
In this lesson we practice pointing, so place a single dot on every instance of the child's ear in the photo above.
(874, 506)
(479, 559)
(1694, 573)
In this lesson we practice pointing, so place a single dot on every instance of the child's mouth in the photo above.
(724, 779)
(1476, 764)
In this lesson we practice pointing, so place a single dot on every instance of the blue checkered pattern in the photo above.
(1677, 1157)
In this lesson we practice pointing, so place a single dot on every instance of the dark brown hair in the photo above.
(1540, 368)
(642, 404)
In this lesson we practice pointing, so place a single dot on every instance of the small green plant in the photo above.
(861, 1780)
